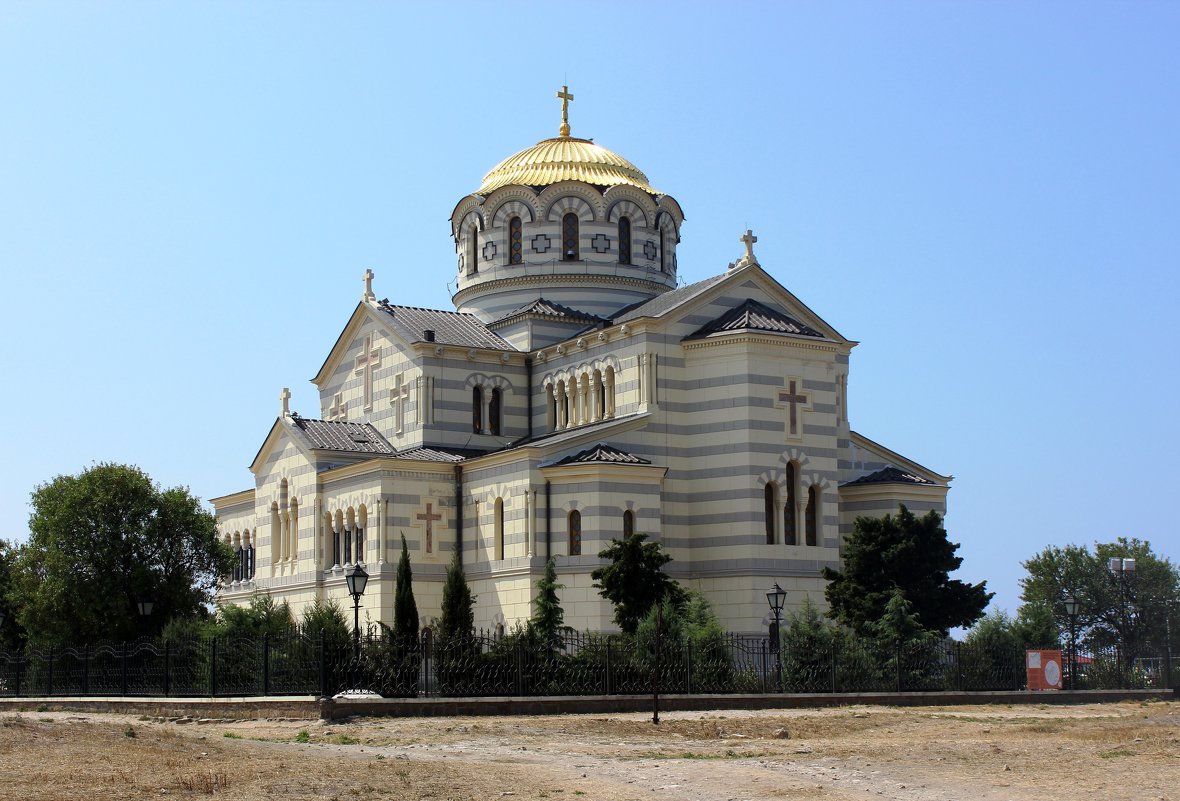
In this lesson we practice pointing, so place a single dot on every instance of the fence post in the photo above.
(20, 661)
(608, 676)
(167, 665)
(213, 667)
(835, 680)
(49, 688)
(897, 665)
(124, 667)
(1021, 656)
(323, 667)
(688, 660)
(959, 666)
(86, 669)
(266, 663)
(765, 667)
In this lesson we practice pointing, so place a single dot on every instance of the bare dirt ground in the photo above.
(1103, 752)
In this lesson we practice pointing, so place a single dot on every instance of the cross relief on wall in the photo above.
(795, 402)
(429, 517)
(366, 362)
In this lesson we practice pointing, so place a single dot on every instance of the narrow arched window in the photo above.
(473, 251)
(494, 411)
(551, 407)
(770, 499)
(624, 240)
(349, 524)
(812, 514)
(477, 410)
(663, 251)
(515, 241)
(239, 558)
(575, 531)
(628, 523)
(789, 535)
(338, 540)
(499, 528)
(276, 531)
(293, 534)
(569, 237)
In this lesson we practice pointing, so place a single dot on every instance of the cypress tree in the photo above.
(548, 616)
(405, 610)
(458, 613)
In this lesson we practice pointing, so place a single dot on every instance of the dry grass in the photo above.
(1113, 752)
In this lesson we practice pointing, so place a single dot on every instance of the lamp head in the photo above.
(776, 598)
(356, 579)
(1071, 605)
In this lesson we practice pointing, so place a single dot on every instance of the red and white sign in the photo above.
(1044, 670)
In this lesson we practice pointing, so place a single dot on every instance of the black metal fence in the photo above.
(484, 664)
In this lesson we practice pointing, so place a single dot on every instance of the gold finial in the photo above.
(565, 97)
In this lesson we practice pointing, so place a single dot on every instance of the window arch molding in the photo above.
(554, 201)
(641, 215)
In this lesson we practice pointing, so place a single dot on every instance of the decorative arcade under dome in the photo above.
(564, 224)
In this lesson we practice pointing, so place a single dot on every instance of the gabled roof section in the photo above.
(662, 304)
(889, 475)
(752, 275)
(329, 435)
(549, 310)
(754, 316)
(601, 454)
(450, 328)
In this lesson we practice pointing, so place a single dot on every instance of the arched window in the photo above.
(628, 523)
(276, 531)
(624, 240)
(575, 530)
(359, 533)
(569, 237)
(790, 536)
(770, 498)
(239, 558)
(663, 251)
(248, 546)
(477, 410)
(293, 535)
(349, 525)
(812, 514)
(284, 532)
(338, 540)
(499, 528)
(473, 251)
(515, 241)
(562, 406)
(552, 407)
(494, 411)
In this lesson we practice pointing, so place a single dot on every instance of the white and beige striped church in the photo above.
(576, 393)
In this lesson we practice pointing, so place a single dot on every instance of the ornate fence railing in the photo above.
(486, 664)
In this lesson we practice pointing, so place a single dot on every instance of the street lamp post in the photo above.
(1122, 570)
(1071, 609)
(144, 605)
(356, 578)
(776, 598)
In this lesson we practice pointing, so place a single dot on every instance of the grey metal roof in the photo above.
(754, 316)
(342, 436)
(428, 454)
(602, 453)
(889, 475)
(450, 328)
(547, 308)
(662, 304)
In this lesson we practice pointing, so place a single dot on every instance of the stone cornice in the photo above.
(591, 279)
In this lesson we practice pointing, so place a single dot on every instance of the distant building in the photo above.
(576, 394)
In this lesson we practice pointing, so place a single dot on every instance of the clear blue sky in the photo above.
(986, 195)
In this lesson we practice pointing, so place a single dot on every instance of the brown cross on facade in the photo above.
(792, 398)
(339, 409)
(429, 517)
(370, 358)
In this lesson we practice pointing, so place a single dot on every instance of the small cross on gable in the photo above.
(369, 359)
(368, 279)
(429, 517)
(795, 402)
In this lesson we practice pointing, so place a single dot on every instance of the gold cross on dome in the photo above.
(565, 97)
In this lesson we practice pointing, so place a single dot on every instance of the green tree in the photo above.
(11, 634)
(1132, 613)
(458, 604)
(907, 553)
(548, 616)
(405, 609)
(635, 581)
(104, 539)
(805, 649)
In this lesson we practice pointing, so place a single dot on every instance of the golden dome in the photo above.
(565, 159)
